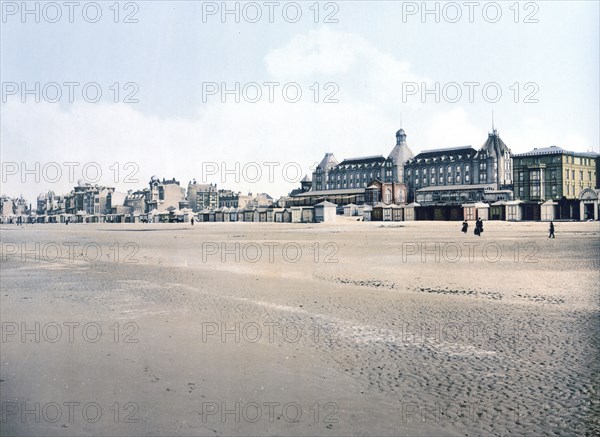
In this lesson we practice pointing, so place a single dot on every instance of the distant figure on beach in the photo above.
(67, 222)
(192, 221)
(465, 227)
(478, 226)
(551, 230)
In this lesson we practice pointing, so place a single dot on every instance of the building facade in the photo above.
(552, 173)
(229, 199)
(353, 173)
(202, 196)
(136, 201)
(50, 203)
(6, 206)
(87, 199)
(347, 181)
(453, 176)
(163, 195)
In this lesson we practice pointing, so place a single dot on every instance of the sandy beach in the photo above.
(345, 328)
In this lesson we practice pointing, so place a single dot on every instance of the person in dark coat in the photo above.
(192, 221)
(465, 227)
(478, 227)
(551, 230)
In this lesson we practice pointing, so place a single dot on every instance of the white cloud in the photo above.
(318, 52)
(356, 65)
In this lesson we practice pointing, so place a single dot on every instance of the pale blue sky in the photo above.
(171, 52)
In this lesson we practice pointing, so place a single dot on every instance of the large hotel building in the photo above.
(439, 182)
(462, 174)
(442, 176)
(368, 179)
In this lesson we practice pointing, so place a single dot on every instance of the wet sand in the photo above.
(349, 328)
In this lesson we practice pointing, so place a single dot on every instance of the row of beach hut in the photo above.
(513, 210)
(321, 212)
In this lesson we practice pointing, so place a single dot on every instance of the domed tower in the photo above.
(400, 137)
(399, 155)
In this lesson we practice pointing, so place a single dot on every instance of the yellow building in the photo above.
(553, 173)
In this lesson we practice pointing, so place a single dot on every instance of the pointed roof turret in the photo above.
(494, 146)
(328, 161)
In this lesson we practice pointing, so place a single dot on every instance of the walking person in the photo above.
(551, 230)
(192, 221)
(478, 227)
(465, 227)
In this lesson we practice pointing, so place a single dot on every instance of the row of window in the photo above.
(440, 170)
(569, 174)
(556, 160)
(573, 190)
(536, 190)
(355, 166)
(577, 160)
(449, 179)
(589, 175)
(340, 185)
(342, 178)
